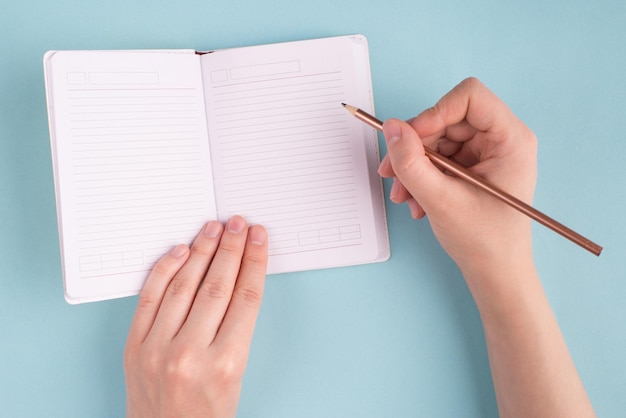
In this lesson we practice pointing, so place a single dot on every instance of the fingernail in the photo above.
(258, 235)
(212, 229)
(236, 224)
(392, 140)
(382, 168)
(178, 251)
(394, 189)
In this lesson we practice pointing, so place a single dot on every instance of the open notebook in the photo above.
(149, 145)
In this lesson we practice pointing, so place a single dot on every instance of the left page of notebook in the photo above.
(131, 163)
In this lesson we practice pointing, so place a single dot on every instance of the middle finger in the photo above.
(215, 293)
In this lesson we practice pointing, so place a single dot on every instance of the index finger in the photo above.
(469, 105)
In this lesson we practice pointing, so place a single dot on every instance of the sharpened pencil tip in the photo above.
(349, 108)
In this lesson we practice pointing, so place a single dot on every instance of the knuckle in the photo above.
(255, 257)
(143, 362)
(228, 370)
(472, 83)
(249, 295)
(231, 246)
(163, 268)
(147, 301)
(151, 364)
(181, 366)
(214, 289)
(202, 249)
(179, 286)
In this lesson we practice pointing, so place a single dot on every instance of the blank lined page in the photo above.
(132, 163)
(287, 155)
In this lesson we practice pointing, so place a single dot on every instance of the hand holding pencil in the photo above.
(463, 139)
(472, 126)
(490, 241)
(474, 136)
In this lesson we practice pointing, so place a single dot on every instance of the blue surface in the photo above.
(397, 339)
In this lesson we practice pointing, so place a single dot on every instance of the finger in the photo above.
(182, 289)
(446, 143)
(448, 148)
(213, 297)
(410, 165)
(384, 169)
(459, 132)
(398, 193)
(401, 195)
(417, 212)
(238, 325)
(153, 290)
(469, 101)
(473, 152)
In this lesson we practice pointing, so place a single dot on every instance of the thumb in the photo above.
(411, 165)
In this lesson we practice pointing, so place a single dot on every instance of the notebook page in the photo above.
(287, 155)
(131, 159)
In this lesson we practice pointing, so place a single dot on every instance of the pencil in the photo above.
(461, 172)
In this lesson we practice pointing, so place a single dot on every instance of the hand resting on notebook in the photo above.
(189, 341)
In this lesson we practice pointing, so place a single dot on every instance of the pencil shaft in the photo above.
(461, 172)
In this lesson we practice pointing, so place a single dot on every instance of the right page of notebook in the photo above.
(288, 156)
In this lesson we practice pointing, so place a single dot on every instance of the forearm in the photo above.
(491, 243)
(532, 370)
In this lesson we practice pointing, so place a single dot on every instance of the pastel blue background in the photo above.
(398, 339)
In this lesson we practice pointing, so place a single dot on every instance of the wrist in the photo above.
(502, 285)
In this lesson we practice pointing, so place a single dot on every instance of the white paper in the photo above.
(287, 155)
(149, 145)
(132, 163)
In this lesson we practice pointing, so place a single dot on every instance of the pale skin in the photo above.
(189, 341)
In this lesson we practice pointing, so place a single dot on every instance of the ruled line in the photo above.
(137, 157)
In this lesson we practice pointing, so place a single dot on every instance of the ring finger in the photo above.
(182, 289)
